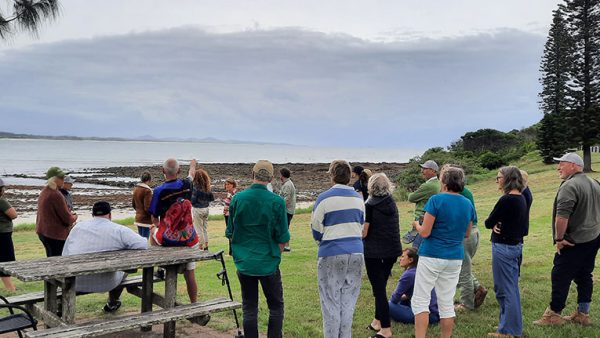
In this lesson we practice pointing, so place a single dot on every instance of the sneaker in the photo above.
(410, 236)
(287, 249)
(110, 308)
(498, 334)
(160, 273)
(550, 318)
(461, 308)
(579, 318)
(480, 294)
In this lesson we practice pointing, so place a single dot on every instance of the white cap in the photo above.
(570, 157)
(430, 164)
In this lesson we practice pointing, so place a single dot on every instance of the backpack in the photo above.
(176, 228)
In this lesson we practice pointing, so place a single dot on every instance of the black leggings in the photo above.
(378, 270)
(54, 247)
(7, 250)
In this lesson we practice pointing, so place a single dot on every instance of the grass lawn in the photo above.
(303, 313)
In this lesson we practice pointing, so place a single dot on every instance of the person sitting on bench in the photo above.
(97, 235)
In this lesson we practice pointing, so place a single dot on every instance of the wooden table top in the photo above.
(107, 261)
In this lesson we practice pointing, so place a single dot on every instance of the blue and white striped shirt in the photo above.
(337, 221)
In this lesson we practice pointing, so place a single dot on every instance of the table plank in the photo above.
(108, 261)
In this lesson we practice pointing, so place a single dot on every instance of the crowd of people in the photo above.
(357, 228)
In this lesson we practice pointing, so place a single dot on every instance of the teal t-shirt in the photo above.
(6, 224)
(452, 213)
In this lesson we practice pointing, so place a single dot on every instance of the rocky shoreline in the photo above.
(114, 184)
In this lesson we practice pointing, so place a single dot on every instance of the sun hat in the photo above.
(55, 172)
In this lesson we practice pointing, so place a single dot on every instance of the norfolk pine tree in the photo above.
(27, 15)
(583, 117)
(554, 98)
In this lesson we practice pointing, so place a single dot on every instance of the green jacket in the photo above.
(422, 194)
(257, 224)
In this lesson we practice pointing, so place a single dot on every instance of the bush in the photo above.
(491, 160)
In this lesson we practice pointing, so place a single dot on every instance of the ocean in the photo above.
(34, 156)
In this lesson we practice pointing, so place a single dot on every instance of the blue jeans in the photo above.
(505, 266)
(403, 313)
(144, 231)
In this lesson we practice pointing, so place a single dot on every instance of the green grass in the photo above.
(303, 314)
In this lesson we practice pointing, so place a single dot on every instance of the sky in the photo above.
(397, 74)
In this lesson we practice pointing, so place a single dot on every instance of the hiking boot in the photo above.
(480, 294)
(550, 318)
(410, 236)
(110, 308)
(579, 318)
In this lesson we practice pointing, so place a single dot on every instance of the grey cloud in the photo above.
(284, 85)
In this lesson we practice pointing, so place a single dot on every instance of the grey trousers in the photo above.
(467, 281)
(340, 278)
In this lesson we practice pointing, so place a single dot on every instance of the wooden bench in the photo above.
(38, 297)
(118, 324)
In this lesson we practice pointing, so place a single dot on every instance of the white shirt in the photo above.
(97, 235)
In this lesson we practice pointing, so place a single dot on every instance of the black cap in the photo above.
(101, 208)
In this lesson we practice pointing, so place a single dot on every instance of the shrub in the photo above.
(490, 160)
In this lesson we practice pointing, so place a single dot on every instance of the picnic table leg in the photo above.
(147, 290)
(50, 300)
(170, 293)
(68, 300)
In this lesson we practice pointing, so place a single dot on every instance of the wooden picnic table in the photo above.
(61, 272)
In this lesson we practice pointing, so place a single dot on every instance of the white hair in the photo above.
(171, 166)
(380, 185)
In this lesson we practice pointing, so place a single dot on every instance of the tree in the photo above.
(556, 68)
(583, 120)
(27, 15)
(551, 139)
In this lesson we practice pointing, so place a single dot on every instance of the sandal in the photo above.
(370, 327)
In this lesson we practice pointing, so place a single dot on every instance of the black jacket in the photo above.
(383, 237)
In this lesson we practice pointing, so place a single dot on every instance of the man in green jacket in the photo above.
(257, 228)
(429, 170)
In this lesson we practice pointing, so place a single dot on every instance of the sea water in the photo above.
(35, 156)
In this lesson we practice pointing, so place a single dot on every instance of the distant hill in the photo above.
(140, 138)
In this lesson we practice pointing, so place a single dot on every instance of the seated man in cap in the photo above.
(429, 170)
(54, 220)
(97, 235)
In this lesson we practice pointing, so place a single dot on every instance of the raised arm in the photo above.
(192, 168)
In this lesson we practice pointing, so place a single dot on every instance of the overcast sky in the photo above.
(329, 73)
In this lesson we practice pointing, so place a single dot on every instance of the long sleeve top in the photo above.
(406, 285)
(511, 212)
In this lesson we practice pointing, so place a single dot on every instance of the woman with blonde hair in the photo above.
(201, 197)
(381, 240)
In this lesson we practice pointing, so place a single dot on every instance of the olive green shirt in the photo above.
(6, 224)
(422, 195)
(578, 199)
(257, 224)
(469, 195)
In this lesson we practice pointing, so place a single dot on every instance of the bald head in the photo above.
(171, 169)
